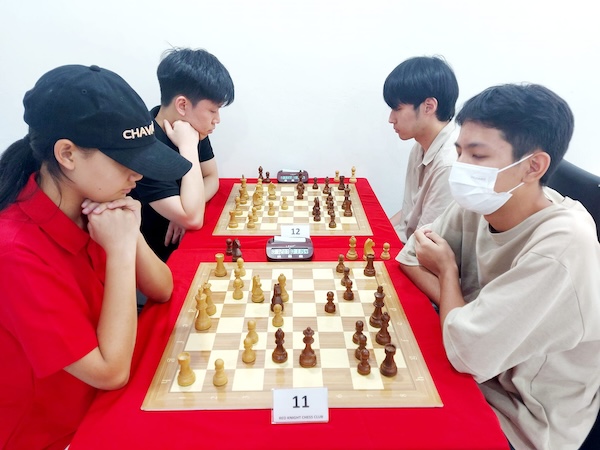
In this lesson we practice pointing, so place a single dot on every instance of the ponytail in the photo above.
(17, 163)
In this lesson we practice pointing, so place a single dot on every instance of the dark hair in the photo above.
(529, 116)
(419, 78)
(195, 74)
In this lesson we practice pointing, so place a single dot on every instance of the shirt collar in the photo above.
(55, 223)
(438, 142)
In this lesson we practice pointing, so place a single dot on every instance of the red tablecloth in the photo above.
(116, 421)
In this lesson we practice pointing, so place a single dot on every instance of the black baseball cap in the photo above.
(96, 108)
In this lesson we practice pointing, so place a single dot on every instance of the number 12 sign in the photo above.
(300, 405)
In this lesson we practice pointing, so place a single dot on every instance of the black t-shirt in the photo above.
(154, 226)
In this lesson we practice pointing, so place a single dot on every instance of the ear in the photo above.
(538, 166)
(65, 152)
(430, 105)
(181, 104)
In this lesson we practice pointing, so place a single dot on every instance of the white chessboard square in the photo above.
(334, 358)
(322, 274)
(194, 387)
(347, 220)
(230, 325)
(307, 377)
(305, 310)
(258, 309)
(269, 226)
(248, 380)
(350, 309)
(298, 340)
(366, 296)
(219, 285)
(287, 273)
(200, 342)
(329, 324)
(286, 220)
(367, 382)
(304, 284)
(229, 357)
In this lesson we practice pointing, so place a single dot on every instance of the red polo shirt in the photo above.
(51, 290)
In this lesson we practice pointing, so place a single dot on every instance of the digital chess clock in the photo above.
(289, 249)
(291, 176)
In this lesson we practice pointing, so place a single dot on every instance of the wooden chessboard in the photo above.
(249, 385)
(298, 212)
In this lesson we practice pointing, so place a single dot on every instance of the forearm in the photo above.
(211, 186)
(426, 281)
(451, 296)
(192, 195)
(153, 276)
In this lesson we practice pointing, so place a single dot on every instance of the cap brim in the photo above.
(156, 161)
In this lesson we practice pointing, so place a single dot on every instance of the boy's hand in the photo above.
(174, 234)
(434, 253)
(184, 136)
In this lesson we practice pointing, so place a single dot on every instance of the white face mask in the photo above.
(473, 187)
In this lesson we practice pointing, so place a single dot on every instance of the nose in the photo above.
(136, 176)
(217, 118)
(391, 117)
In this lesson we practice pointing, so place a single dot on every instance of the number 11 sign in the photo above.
(300, 405)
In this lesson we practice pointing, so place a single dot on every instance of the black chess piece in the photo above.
(279, 354)
(330, 306)
(388, 367)
(383, 336)
(375, 319)
(308, 358)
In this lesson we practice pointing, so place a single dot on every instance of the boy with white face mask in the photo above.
(513, 267)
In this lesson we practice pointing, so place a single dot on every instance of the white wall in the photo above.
(309, 74)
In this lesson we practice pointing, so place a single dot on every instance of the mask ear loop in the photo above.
(514, 164)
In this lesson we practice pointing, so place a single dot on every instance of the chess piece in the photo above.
(240, 264)
(326, 188)
(315, 185)
(346, 276)
(238, 274)
(388, 367)
(285, 296)
(340, 266)
(330, 306)
(249, 355)
(271, 190)
(258, 295)
(370, 268)
(243, 196)
(352, 255)
(284, 204)
(341, 186)
(359, 330)
(252, 334)
(362, 344)
(211, 309)
(347, 207)
(279, 354)
(202, 322)
(238, 294)
(220, 377)
(267, 179)
(383, 336)
(250, 225)
(385, 254)
(375, 319)
(237, 250)
(364, 368)
(229, 249)
(220, 270)
(353, 175)
(368, 248)
(276, 299)
(308, 358)
(232, 222)
(278, 316)
(271, 211)
(337, 176)
(238, 211)
(348, 295)
(332, 223)
(260, 173)
(186, 375)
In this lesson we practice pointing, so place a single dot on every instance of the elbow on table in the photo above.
(194, 223)
(115, 380)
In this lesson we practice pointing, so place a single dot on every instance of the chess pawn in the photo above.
(364, 368)
(250, 225)
(362, 344)
(220, 270)
(337, 176)
(359, 330)
(240, 264)
(348, 295)
(284, 204)
(285, 296)
(232, 222)
(330, 306)
(238, 274)
(238, 294)
(252, 334)
(220, 377)
(186, 376)
(383, 336)
(388, 367)
(229, 247)
(385, 254)
(340, 266)
(346, 276)
(278, 317)
(315, 185)
(308, 358)
(202, 322)
(267, 179)
(238, 211)
(352, 255)
(249, 355)
(271, 211)
(271, 191)
(353, 175)
(258, 295)
(211, 309)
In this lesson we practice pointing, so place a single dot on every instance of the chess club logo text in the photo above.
(134, 133)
